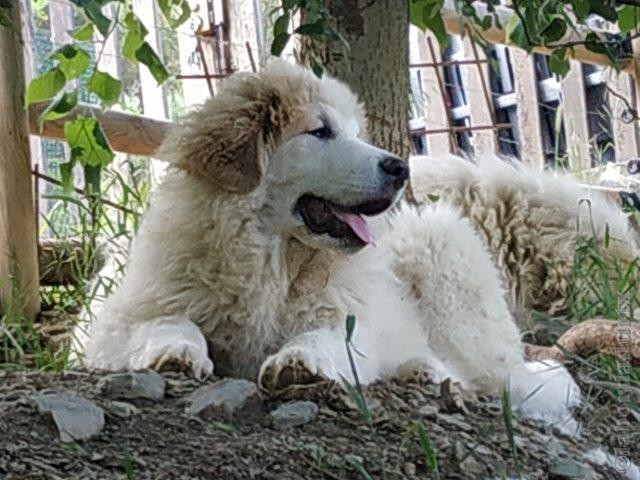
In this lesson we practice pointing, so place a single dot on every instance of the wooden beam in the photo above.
(18, 238)
(126, 133)
(455, 24)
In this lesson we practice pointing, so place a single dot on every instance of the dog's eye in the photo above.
(323, 133)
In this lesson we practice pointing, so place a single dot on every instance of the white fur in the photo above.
(529, 219)
(242, 275)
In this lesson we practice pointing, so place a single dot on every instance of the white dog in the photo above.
(261, 241)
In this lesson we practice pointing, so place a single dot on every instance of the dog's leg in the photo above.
(449, 272)
(308, 358)
(114, 344)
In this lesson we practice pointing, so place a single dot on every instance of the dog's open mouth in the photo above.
(338, 221)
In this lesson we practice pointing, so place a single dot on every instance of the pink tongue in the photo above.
(357, 224)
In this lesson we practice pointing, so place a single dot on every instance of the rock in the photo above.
(428, 411)
(456, 420)
(451, 399)
(230, 398)
(568, 469)
(76, 418)
(146, 384)
(293, 414)
(410, 469)
(122, 409)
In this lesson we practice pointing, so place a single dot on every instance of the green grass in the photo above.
(84, 223)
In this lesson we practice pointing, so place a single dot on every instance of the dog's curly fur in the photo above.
(530, 221)
(224, 269)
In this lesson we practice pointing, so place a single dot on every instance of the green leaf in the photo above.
(310, 30)
(93, 10)
(558, 63)
(436, 25)
(426, 15)
(350, 325)
(148, 58)
(427, 450)
(87, 141)
(92, 176)
(594, 43)
(45, 86)
(105, 87)
(60, 107)
(486, 22)
(581, 8)
(605, 9)
(554, 31)
(134, 39)
(628, 18)
(73, 61)
(281, 25)
(176, 12)
(316, 67)
(83, 33)
(279, 42)
(66, 176)
(516, 34)
(5, 19)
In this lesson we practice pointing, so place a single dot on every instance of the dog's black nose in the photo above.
(396, 168)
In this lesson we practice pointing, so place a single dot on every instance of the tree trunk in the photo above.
(377, 68)
(18, 239)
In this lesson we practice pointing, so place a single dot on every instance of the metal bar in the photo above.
(453, 142)
(195, 76)
(445, 63)
(498, 126)
(254, 69)
(204, 65)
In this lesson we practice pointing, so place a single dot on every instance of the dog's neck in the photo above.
(307, 268)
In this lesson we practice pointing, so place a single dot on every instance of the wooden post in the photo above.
(481, 107)
(624, 134)
(18, 239)
(524, 76)
(194, 91)
(435, 112)
(242, 29)
(574, 105)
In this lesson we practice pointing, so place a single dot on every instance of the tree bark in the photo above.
(18, 238)
(377, 68)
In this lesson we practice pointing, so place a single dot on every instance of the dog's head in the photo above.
(298, 141)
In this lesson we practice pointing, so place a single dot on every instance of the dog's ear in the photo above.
(234, 157)
(228, 141)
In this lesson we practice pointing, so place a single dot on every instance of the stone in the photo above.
(451, 398)
(75, 417)
(122, 409)
(455, 420)
(230, 399)
(568, 469)
(144, 384)
(293, 414)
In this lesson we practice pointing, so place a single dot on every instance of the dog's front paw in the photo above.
(181, 356)
(295, 365)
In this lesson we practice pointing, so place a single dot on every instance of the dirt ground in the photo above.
(160, 441)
